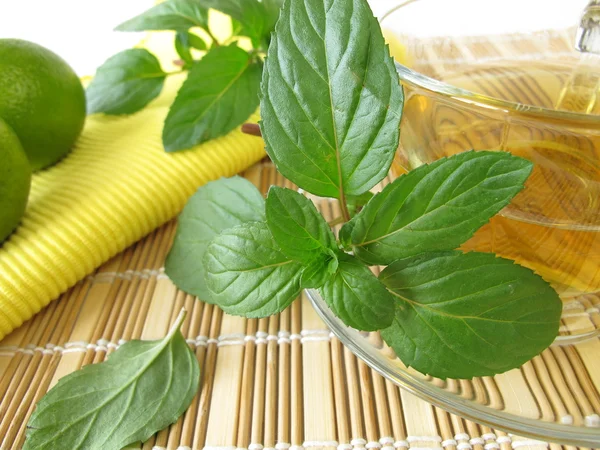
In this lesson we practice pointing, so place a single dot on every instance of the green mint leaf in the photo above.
(236, 27)
(196, 41)
(251, 15)
(272, 8)
(463, 315)
(318, 271)
(125, 83)
(357, 297)
(142, 388)
(435, 207)
(220, 93)
(300, 230)
(331, 102)
(177, 15)
(182, 46)
(359, 200)
(215, 207)
(355, 203)
(247, 273)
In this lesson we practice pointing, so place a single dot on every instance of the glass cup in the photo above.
(515, 83)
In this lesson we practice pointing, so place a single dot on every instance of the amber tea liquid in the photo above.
(553, 226)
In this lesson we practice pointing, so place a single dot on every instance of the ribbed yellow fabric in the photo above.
(116, 186)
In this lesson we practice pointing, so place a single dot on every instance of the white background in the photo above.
(81, 30)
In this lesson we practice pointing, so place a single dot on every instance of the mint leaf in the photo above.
(182, 47)
(220, 93)
(251, 14)
(125, 83)
(247, 273)
(176, 15)
(298, 228)
(331, 102)
(435, 207)
(142, 388)
(184, 42)
(272, 8)
(355, 203)
(357, 297)
(216, 206)
(463, 315)
(318, 271)
(195, 41)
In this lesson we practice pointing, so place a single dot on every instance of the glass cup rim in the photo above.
(537, 429)
(471, 98)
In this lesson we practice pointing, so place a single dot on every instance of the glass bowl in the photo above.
(506, 76)
(552, 398)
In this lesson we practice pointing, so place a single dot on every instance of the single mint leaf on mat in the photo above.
(220, 93)
(216, 206)
(125, 83)
(300, 230)
(357, 297)
(331, 100)
(464, 315)
(176, 15)
(435, 207)
(142, 388)
(247, 273)
(251, 15)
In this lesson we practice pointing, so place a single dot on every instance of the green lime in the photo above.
(15, 179)
(42, 99)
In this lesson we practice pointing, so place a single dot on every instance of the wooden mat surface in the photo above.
(282, 382)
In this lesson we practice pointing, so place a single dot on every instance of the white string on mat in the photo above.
(382, 443)
(261, 337)
(426, 448)
(425, 438)
(387, 442)
(310, 444)
(529, 443)
(593, 420)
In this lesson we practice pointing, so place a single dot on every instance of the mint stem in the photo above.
(177, 324)
(212, 36)
(336, 221)
(252, 129)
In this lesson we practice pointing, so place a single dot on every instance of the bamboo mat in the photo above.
(282, 382)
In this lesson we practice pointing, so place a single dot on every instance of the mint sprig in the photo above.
(223, 81)
(331, 107)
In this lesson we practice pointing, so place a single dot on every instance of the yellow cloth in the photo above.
(115, 187)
